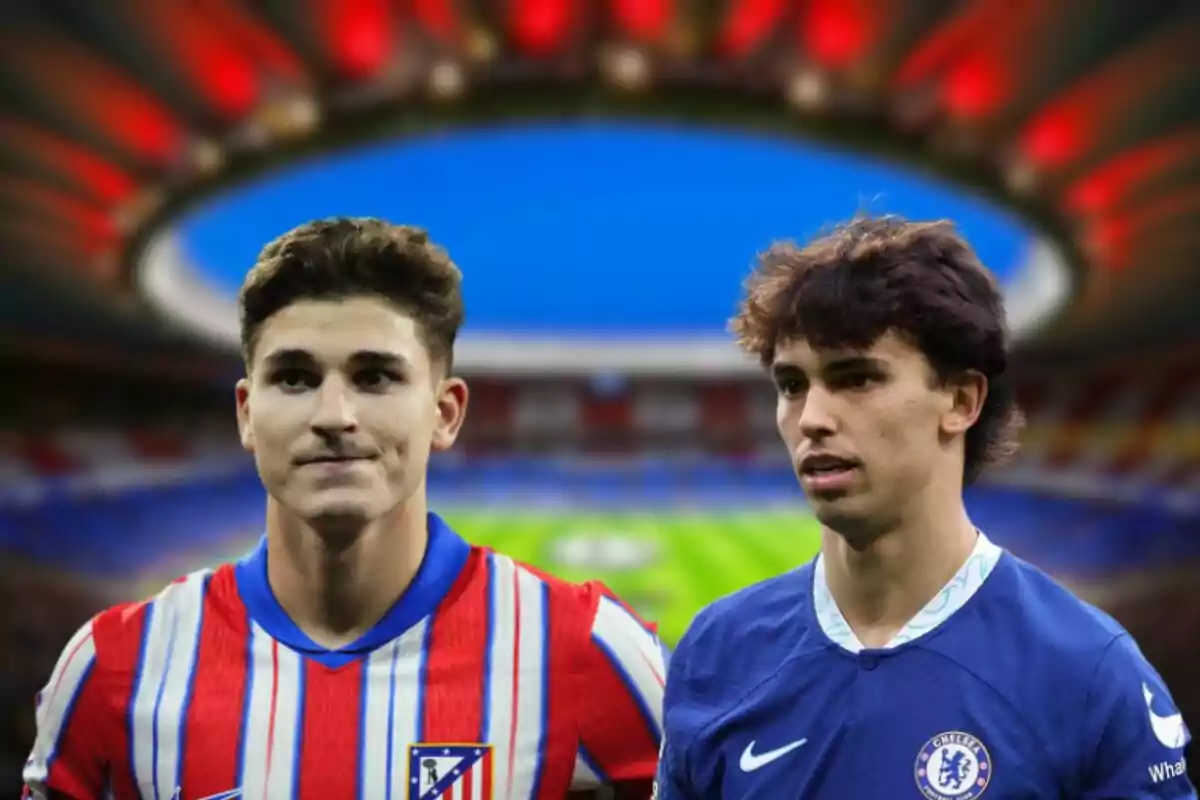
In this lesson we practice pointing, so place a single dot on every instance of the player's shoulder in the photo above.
(755, 615)
(1029, 638)
(121, 632)
(735, 647)
(739, 641)
(582, 605)
(1041, 609)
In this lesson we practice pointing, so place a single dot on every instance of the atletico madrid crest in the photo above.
(449, 771)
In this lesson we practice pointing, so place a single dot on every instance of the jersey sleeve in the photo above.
(67, 760)
(621, 694)
(1134, 735)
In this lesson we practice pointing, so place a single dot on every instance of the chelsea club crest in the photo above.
(953, 766)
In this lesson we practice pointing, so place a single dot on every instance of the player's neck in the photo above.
(336, 591)
(881, 587)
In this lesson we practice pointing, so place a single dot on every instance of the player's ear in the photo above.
(965, 394)
(241, 393)
(451, 412)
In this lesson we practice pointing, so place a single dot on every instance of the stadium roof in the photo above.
(1082, 115)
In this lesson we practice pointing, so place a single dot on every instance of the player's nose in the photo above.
(335, 410)
(817, 419)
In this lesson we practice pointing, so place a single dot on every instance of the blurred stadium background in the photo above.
(603, 171)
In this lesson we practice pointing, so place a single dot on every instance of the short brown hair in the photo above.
(877, 274)
(347, 257)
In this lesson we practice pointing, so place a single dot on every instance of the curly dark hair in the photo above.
(871, 275)
(346, 257)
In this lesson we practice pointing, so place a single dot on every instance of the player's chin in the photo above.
(342, 509)
(840, 497)
(833, 510)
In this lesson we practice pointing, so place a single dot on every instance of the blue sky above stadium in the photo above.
(592, 228)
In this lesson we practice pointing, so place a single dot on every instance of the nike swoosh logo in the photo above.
(752, 761)
(1169, 730)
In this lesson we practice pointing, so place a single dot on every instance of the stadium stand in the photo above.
(51, 606)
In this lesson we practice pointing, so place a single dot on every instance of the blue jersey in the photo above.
(1004, 686)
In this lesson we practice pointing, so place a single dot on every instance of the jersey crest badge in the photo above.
(449, 771)
(953, 766)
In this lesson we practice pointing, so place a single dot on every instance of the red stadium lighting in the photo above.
(747, 25)
(974, 88)
(93, 174)
(359, 35)
(94, 94)
(46, 236)
(1102, 239)
(834, 32)
(58, 205)
(1097, 110)
(230, 82)
(934, 52)
(1092, 194)
(1051, 140)
(541, 27)
(1115, 180)
(1120, 234)
(252, 37)
(439, 18)
(222, 74)
(643, 20)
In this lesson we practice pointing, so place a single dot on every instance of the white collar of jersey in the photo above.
(951, 598)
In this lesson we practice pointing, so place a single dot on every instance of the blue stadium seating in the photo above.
(124, 532)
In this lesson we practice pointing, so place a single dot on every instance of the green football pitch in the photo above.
(666, 564)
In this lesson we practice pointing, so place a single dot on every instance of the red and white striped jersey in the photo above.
(486, 680)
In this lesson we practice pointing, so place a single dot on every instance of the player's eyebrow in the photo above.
(855, 364)
(292, 356)
(783, 370)
(379, 358)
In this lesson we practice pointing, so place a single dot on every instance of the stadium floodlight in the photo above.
(206, 157)
(626, 67)
(447, 81)
(807, 89)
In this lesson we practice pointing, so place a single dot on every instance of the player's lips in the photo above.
(333, 460)
(825, 472)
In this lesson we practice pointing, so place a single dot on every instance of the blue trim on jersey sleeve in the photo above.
(185, 709)
(544, 718)
(298, 736)
(158, 696)
(485, 723)
(587, 758)
(631, 687)
(446, 555)
(391, 718)
(247, 696)
(361, 754)
(69, 712)
(138, 675)
(422, 679)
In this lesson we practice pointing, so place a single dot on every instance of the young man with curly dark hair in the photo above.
(913, 657)
(363, 649)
